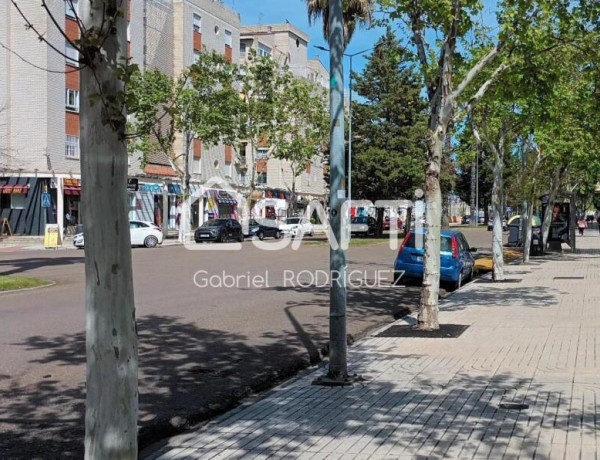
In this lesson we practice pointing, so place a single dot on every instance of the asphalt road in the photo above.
(202, 349)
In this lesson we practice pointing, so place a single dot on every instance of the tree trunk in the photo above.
(473, 192)
(184, 220)
(497, 254)
(409, 212)
(428, 310)
(111, 336)
(550, 206)
(527, 233)
(251, 185)
(445, 213)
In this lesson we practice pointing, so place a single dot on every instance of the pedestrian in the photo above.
(581, 225)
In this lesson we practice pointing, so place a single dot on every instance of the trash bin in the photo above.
(537, 248)
(513, 233)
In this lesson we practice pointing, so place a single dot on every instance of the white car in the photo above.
(142, 234)
(297, 225)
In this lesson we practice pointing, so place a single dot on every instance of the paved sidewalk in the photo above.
(535, 342)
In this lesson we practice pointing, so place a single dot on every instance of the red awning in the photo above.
(72, 190)
(6, 189)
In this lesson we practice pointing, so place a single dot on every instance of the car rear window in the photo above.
(446, 243)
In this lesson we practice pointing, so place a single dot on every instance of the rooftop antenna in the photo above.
(260, 18)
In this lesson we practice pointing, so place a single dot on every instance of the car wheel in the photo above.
(241, 238)
(261, 236)
(458, 283)
(150, 241)
(222, 238)
(277, 234)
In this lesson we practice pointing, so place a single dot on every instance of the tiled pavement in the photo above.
(535, 342)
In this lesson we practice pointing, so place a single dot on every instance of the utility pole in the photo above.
(338, 368)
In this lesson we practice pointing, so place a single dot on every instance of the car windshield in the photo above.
(360, 220)
(215, 223)
(292, 220)
(446, 242)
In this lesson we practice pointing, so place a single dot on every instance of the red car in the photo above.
(387, 222)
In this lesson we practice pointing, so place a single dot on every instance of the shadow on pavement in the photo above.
(26, 264)
(187, 374)
(460, 418)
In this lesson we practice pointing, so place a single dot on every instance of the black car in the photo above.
(262, 229)
(221, 230)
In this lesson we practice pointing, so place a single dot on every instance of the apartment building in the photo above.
(287, 45)
(169, 35)
(39, 114)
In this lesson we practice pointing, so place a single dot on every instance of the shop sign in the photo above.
(132, 185)
(156, 189)
(174, 189)
(71, 182)
(51, 236)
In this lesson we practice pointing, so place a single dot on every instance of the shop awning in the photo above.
(7, 189)
(225, 198)
(72, 190)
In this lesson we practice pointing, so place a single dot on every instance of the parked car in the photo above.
(466, 220)
(456, 259)
(221, 230)
(387, 222)
(142, 234)
(262, 228)
(297, 225)
(363, 225)
(490, 224)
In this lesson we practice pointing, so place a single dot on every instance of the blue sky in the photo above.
(277, 11)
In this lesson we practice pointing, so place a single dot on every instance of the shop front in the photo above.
(27, 204)
(274, 205)
(219, 204)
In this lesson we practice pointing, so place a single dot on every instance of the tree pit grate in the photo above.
(446, 331)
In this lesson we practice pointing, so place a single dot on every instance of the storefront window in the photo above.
(17, 201)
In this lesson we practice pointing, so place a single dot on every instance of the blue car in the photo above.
(456, 259)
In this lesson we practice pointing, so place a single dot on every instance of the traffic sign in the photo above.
(46, 200)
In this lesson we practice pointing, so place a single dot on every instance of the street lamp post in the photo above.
(350, 55)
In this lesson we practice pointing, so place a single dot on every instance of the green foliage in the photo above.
(305, 129)
(389, 125)
(202, 101)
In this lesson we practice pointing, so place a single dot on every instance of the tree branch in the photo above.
(480, 92)
(476, 70)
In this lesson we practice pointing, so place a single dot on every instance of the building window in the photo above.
(243, 180)
(72, 100)
(128, 31)
(216, 30)
(263, 50)
(242, 48)
(262, 154)
(72, 55)
(196, 55)
(197, 23)
(261, 178)
(72, 147)
(17, 201)
(228, 38)
(197, 165)
(72, 8)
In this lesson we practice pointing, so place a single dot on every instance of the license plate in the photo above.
(203, 236)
